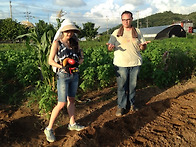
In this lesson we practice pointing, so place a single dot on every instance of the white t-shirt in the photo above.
(127, 51)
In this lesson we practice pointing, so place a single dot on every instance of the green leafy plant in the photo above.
(168, 61)
(18, 69)
(40, 42)
(42, 47)
(97, 70)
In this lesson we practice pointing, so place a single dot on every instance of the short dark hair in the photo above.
(127, 12)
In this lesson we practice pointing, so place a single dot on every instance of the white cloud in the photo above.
(128, 7)
(106, 14)
(145, 13)
(184, 9)
(176, 6)
(134, 2)
(70, 3)
(165, 5)
(53, 18)
(104, 9)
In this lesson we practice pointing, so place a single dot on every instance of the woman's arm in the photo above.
(53, 52)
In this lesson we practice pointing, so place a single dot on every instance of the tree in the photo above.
(10, 29)
(89, 31)
(42, 27)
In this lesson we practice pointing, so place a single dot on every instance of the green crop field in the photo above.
(165, 63)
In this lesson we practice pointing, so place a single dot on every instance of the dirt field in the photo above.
(166, 118)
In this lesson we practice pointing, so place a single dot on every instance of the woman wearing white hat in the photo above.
(65, 56)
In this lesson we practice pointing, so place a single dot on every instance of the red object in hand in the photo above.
(71, 61)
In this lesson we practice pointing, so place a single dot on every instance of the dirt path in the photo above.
(166, 118)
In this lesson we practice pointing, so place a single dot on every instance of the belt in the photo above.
(74, 69)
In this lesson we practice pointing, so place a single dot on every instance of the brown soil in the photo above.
(165, 118)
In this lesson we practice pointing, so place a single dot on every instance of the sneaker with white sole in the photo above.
(49, 135)
(76, 127)
(120, 111)
(134, 108)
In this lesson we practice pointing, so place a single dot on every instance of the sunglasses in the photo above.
(126, 19)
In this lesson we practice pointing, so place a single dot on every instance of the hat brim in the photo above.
(70, 28)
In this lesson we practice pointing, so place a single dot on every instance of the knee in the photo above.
(60, 105)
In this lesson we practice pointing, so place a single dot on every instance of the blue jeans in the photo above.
(67, 85)
(126, 82)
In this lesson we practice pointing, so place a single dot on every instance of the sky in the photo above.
(103, 13)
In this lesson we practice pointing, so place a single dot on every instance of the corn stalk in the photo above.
(42, 47)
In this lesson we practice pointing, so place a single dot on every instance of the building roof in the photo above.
(27, 23)
(152, 31)
(161, 32)
(171, 31)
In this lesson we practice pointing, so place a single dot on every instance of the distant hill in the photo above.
(166, 18)
(160, 19)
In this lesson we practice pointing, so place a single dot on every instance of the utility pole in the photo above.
(107, 24)
(137, 19)
(140, 24)
(10, 9)
(48, 19)
(147, 22)
(27, 15)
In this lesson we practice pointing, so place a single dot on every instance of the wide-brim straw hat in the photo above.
(69, 26)
(65, 26)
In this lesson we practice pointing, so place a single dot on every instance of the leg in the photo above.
(122, 75)
(62, 95)
(73, 85)
(55, 113)
(48, 130)
(133, 74)
(71, 109)
(62, 88)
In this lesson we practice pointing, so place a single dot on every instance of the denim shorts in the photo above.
(67, 85)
